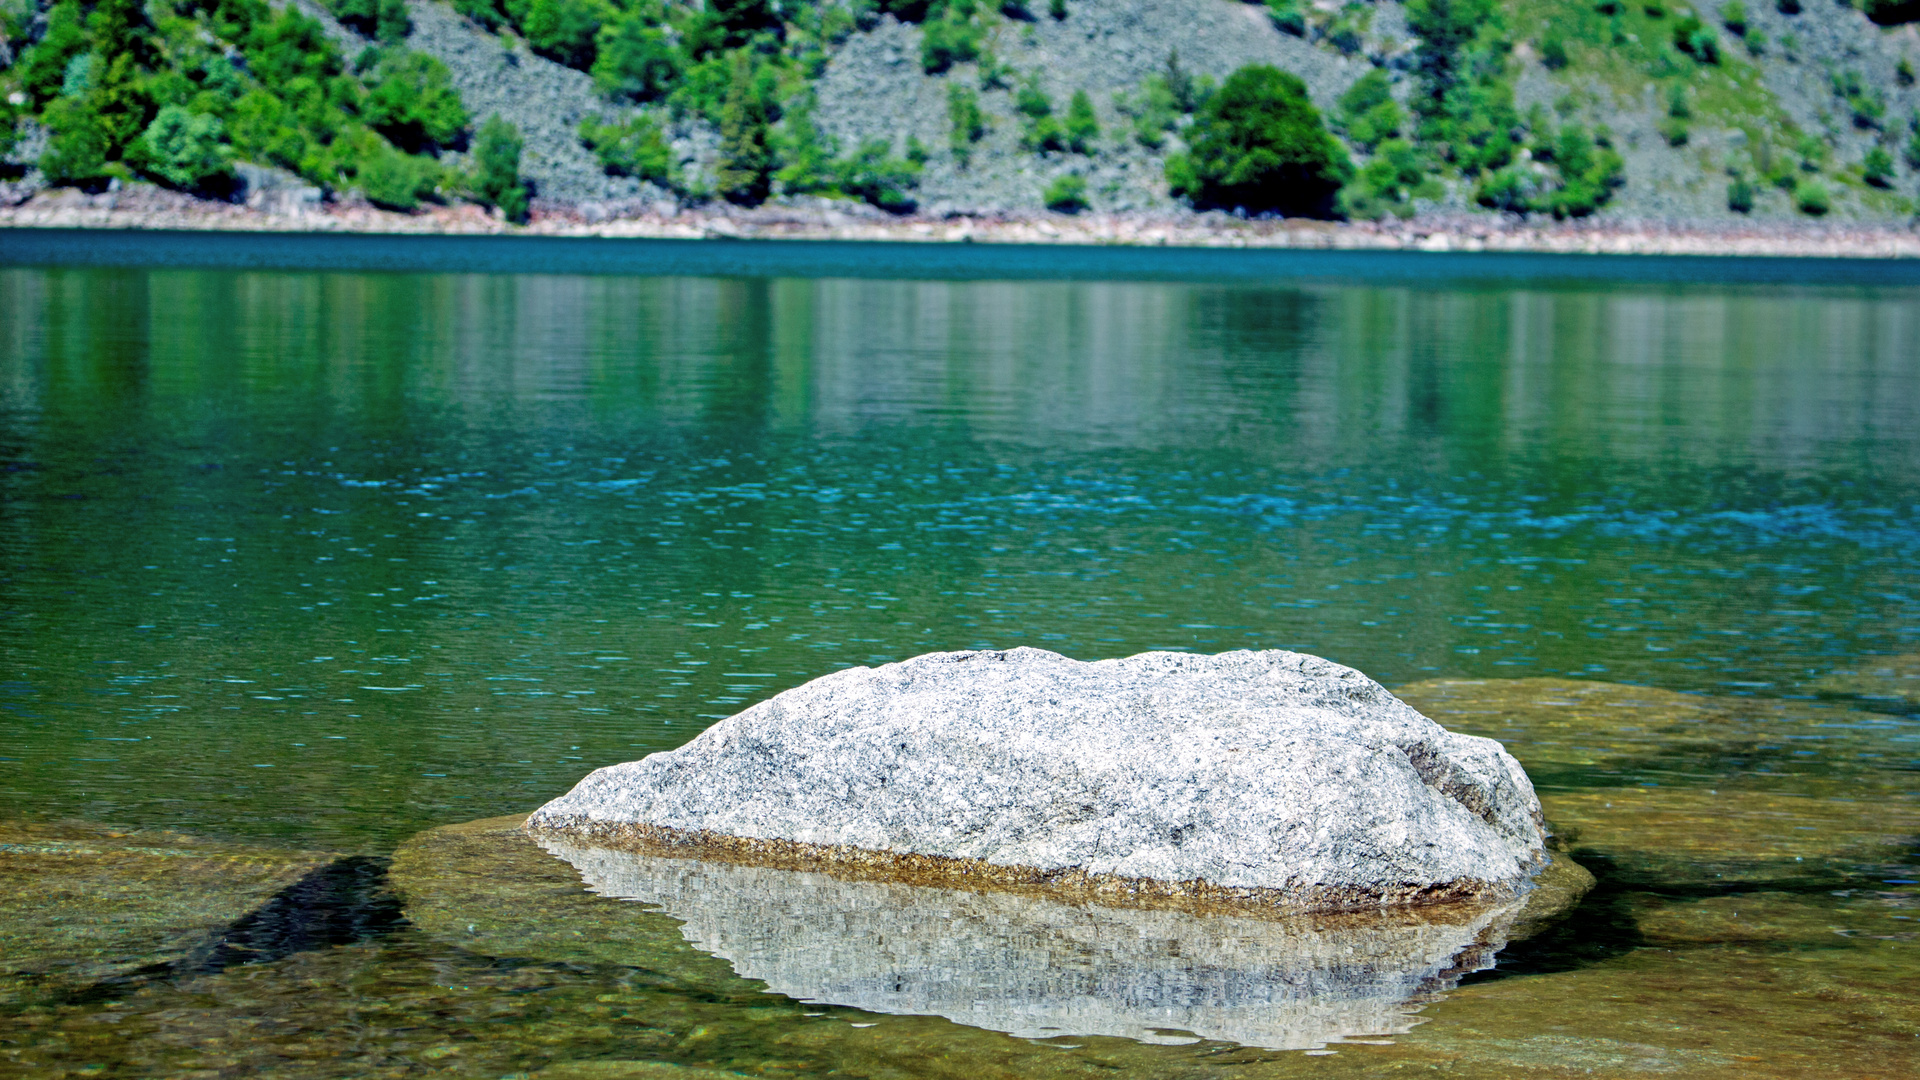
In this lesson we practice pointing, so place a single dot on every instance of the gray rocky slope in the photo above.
(873, 87)
(1272, 778)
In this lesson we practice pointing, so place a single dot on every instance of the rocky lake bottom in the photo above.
(316, 582)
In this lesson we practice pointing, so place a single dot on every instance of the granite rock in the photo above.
(1267, 778)
(1037, 968)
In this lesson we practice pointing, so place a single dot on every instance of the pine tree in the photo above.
(746, 163)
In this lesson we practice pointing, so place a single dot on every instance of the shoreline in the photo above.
(152, 209)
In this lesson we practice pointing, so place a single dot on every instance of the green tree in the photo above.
(875, 175)
(1083, 125)
(1877, 168)
(967, 124)
(635, 61)
(745, 167)
(395, 180)
(1067, 194)
(78, 145)
(414, 104)
(1043, 130)
(496, 160)
(385, 20)
(636, 148)
(1367, 112)
(564, 31)
(183, 149)
(1259, 144)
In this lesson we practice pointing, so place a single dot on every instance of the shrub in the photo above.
(1043, 129)
(1153, 109)
(1733, 16)
(43, 71)
(634, 61)
(636, 148)
(485, 12)
(1387, 184)
(1913, 142)
(385, 20)
(743, 172)
(77, 145)
(1691, 36)
(395, 180)
(496, 164)
(1674, 129)
(1083, 126)
(1367, 112)
(1903, 71)
(183, 149)
(1891, 12)
(1810, 197)
(1867, 106)
(951, 39)
(1067, 194)
(414, 104)
(1755, 41)
(1260, 144)
(968, 125)
(875, 175)
(1057, 9)
(564, 31)
(1289, 15)
(1877, 169)
(1740, 196)
(1787, 7)
(1553, 52)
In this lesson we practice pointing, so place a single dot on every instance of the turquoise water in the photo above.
(314, 559)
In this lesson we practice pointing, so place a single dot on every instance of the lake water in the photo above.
(296, 563)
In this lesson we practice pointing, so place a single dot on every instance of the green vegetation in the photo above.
(1259, 145)
(153, 90)
(1740, 196)
(1043, 130)
(1083, 126)
(637, 148)
(1067, 194)
(968, 123)
(496, 158)
(1810, 197)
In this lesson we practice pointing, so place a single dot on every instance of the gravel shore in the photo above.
(142, 207)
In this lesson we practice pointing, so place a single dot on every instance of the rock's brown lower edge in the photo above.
(1449, 902)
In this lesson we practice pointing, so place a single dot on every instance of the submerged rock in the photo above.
(1036, 967)
(1273, 779)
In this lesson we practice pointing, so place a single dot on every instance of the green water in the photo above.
(294, 565)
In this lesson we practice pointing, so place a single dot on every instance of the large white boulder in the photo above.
(1271, 778)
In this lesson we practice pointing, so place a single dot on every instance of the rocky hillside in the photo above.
(1695, 112)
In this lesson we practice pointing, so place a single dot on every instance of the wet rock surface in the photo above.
(1038, 968)
(1271, 778)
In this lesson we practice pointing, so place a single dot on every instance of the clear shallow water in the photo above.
(298, 564)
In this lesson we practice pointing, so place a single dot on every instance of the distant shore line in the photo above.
(144, 208)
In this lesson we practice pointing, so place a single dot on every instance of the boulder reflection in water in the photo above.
(1038, 968)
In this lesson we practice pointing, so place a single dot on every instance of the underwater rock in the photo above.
(81, 905)
(1272, 779)
(1036, 967)
(1883, 678)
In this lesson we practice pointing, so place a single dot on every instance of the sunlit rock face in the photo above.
(1270, 778)
(1036, 967)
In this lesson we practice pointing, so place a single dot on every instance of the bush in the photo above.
(634, 61)
(1043, 130)
(1787, 7)
(1691, 36)
(875, 175)
(744, 171)
(636, 148)
(1913, 142)
(77, 145)
(1553, 52)
(395, 180)
(564, 31)
(1733, 16)
(1083, 126)
(1387, 184)
(1877, 169)
(1512, 189)
(1891, 12)
(1260, 144)
(951, 39)
(1067, 194)
(968, 125)
(1903, 71)
(1740, 196)
(1755, 41)
(1674, 129)
(1153, 110)
(182, 149)
(1810, 197)
(386, 20)
(496, 162)
(1057, 9)
(1289, 15)
(1367, 112)
(414, 105)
